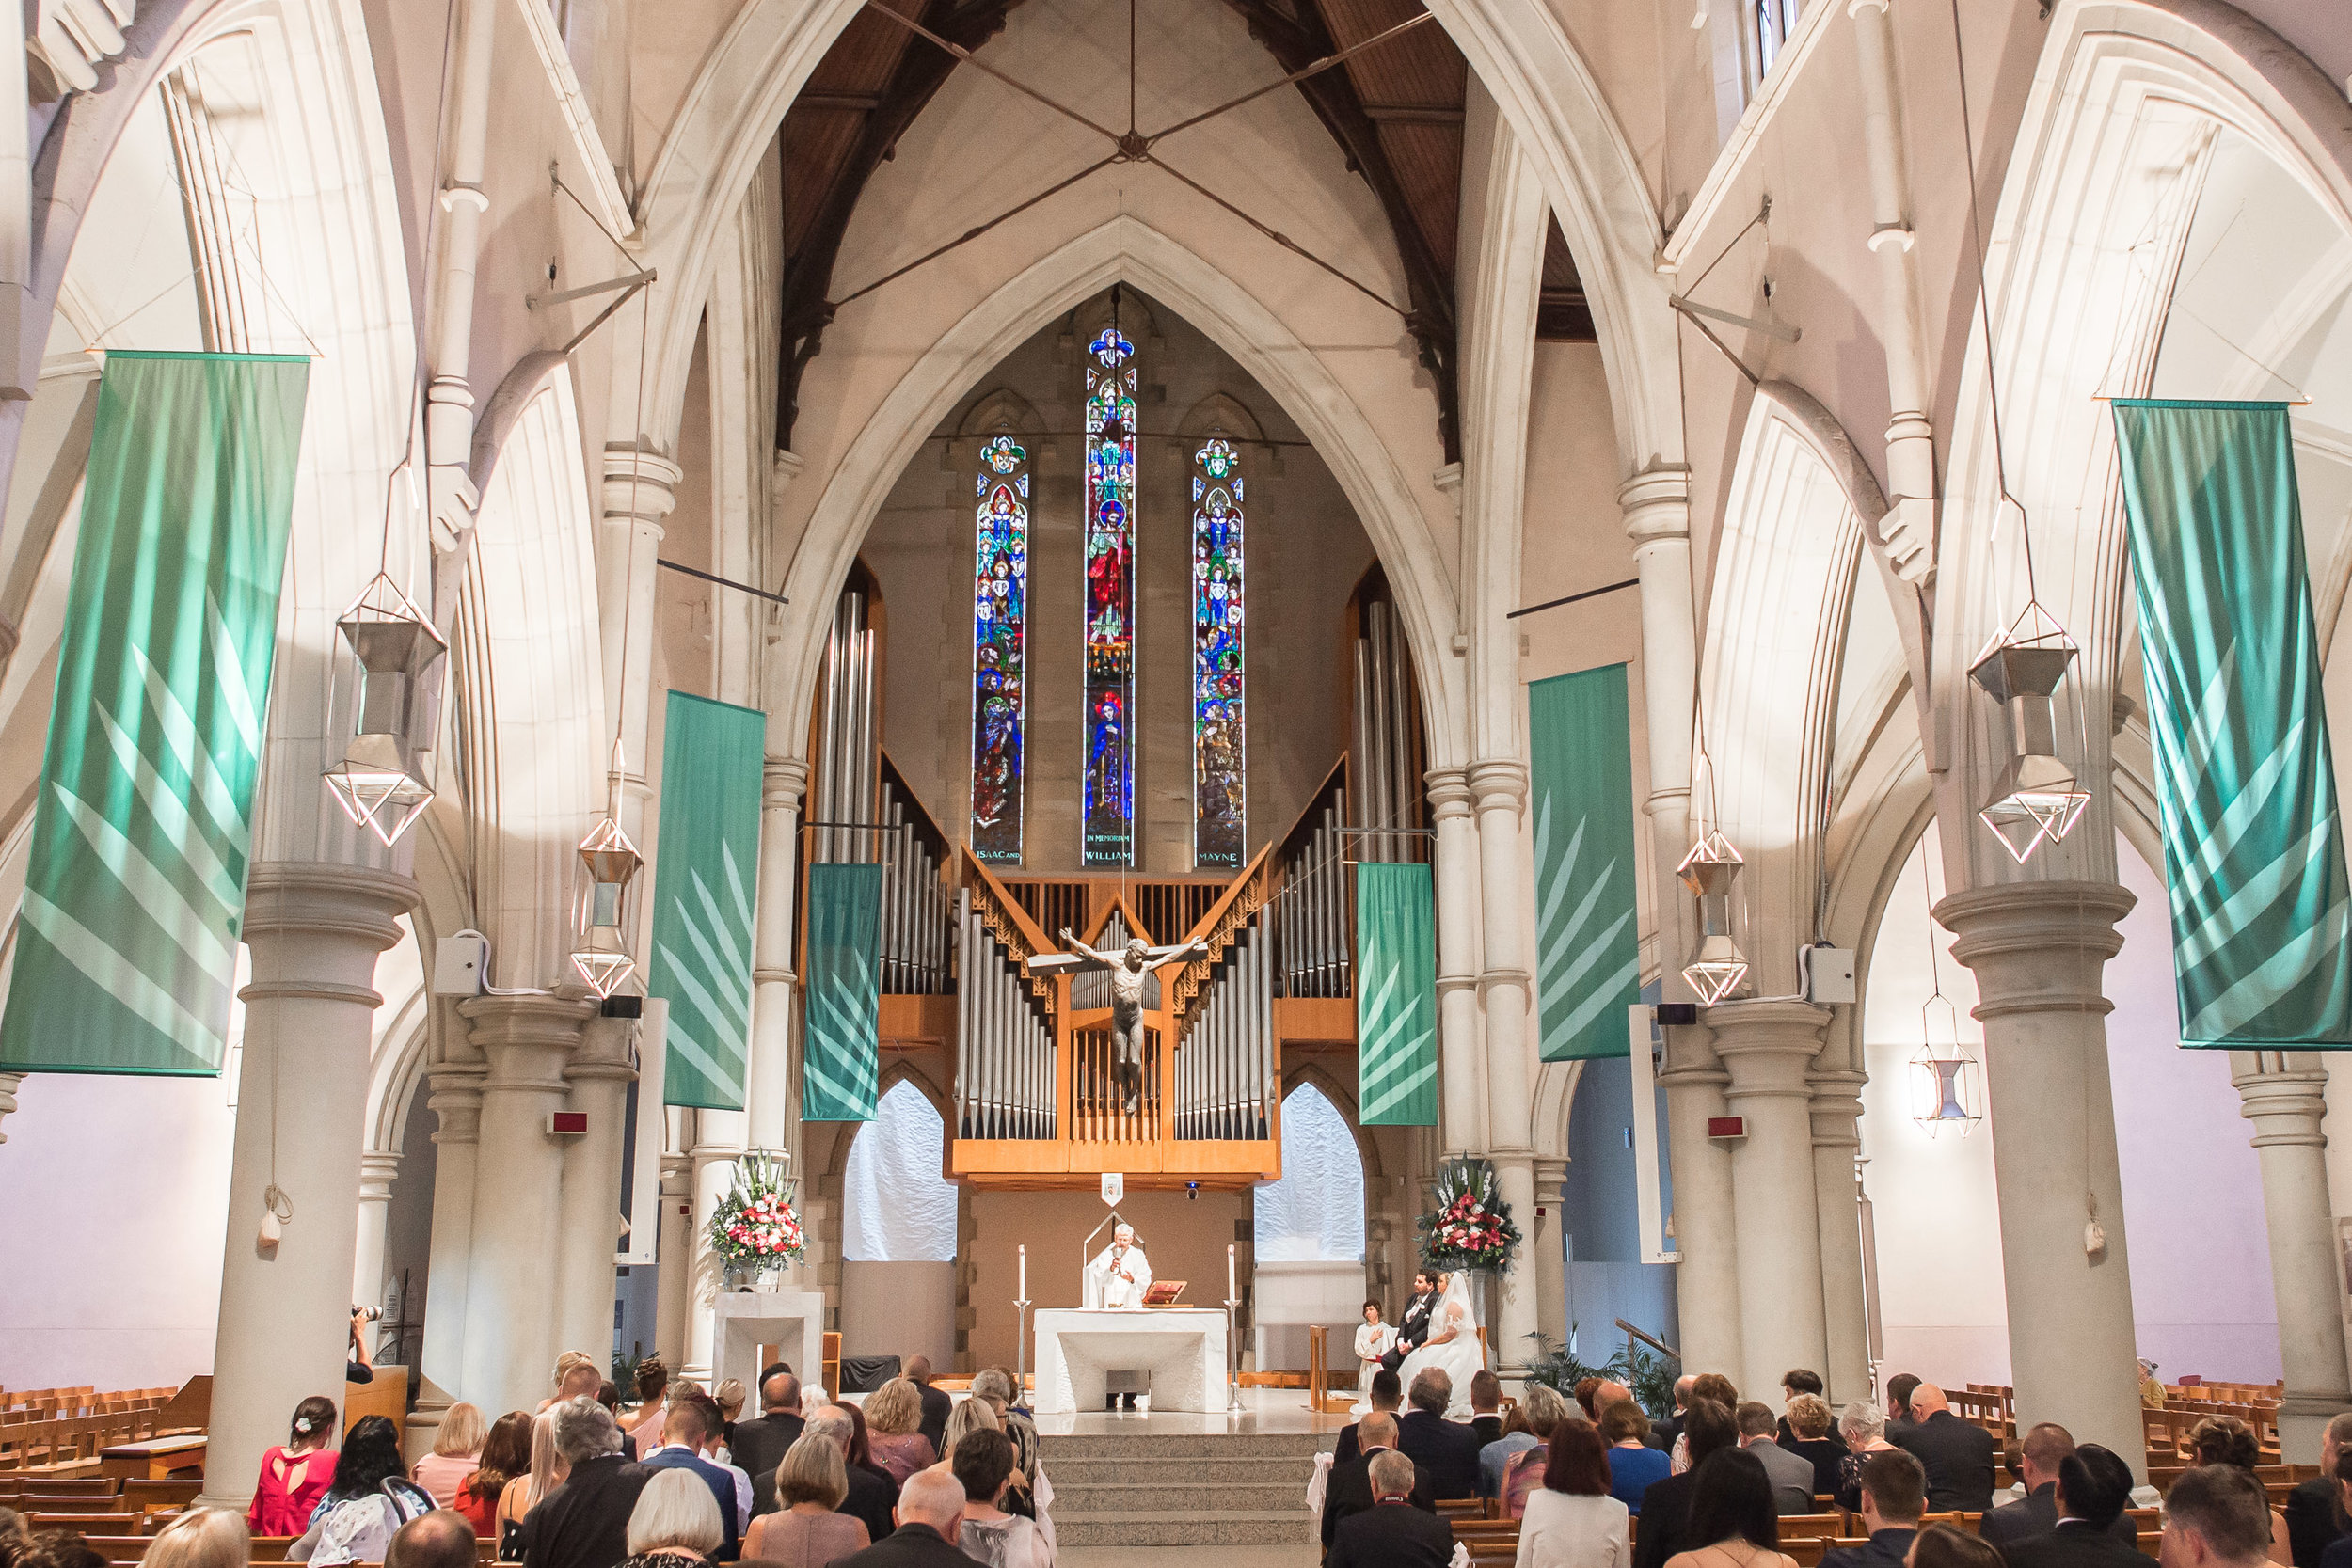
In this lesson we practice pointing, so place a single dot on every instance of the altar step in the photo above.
(1242, 1489)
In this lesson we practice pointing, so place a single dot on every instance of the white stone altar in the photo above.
(792, 1321)
(1181, 1349)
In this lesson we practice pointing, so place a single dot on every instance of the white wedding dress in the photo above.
(1459, 1357)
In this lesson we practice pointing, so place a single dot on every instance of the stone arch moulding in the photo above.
(728, 120)
(1125, 248)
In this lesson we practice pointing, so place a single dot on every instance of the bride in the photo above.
(1452, 1347)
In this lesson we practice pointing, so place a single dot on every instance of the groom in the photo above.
(1413, 1328)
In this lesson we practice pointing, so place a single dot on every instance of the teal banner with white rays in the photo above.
(706, 871)
(841, 1048)
(1588, 950)
(1396, 996)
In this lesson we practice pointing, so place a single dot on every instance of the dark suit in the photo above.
(1446, 1451)
(1885, 1550)
(1348, 1490)
(1663, 1433)
(2338, 1554)
(872, 1496)
(1958, 1457)
(2312, 1521)
(2073, 1544)
(1347, 1448)
(937, 1402)
(584, 1522)
(1392, 1535)
(2035, 1514)
(758, 1447)
(1411, 1330)
(721, 1487)
(915, 1545)
(1488, 1427)
(1665, 1515)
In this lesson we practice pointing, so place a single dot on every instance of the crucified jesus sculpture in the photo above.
(1128, 971)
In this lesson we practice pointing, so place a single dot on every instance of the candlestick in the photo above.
(1229, 1272)
(1025, 1273)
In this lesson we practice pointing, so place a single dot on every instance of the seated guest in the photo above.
(1571, 1520)
(873, 1492)
(1894, 1494)
(2227, 1440)
(1349, 1490)
(1946, 1546)
(1707, 1386)
(643, 1424)
(1900, 1416)
(1663, 1434)
(505, 1454)
(1634, 1467)
(1731, 1517)
(295, 1477)
(1392, 1533)
(1584, 1390)
(456, 1453)
(217, 1538)
(931, 1522)
(893, 1422)
(1813, 1439)
(937, 1402)
(2045, 1448)
(1707, 1427)
(807, 1529)
(441, 1539)
(372, 1498)
(2338, 1553)
(689, 1428)
(584, 1521)
(1791, 1477)
(1388, 1395)
(1864, 1427)
(984, 1466)
(2215, 1516)
(2314, 1511)
(760, 1444)
(575, 1374)
(1486, 1406)
(1958, 1454)
(969, 1417)
(1793, 1386)
(1447, 1449)
(2092, 1488)
(1032, 1494)
(676, 1522)
(549, 1469)
(60, 1548)
(1538, 1411)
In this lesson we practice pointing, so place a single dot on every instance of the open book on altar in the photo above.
(1163, 1293)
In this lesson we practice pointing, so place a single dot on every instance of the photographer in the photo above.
(358, 1367)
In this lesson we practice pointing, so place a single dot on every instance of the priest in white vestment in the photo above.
(1115, 1280)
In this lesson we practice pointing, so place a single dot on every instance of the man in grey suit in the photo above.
(1792, 1476)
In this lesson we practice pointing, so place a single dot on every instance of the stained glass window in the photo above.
(1219, 772)
(1110, 625)
(1000, 625)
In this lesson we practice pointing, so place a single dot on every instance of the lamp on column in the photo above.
(612, 862)
(383, 701)
(2036, 797)
(1708, 870)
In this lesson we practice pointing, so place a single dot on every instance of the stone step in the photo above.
(1073, 1471)
(1165, 1496)
(1240, 1527)
(1173, 1445)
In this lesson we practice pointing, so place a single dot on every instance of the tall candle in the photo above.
(1231, 1294)
(1025, 1273)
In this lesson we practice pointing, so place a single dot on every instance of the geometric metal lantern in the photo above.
(1946, 1082)
(1709, 871)
(383, 704)
(2036, 797)
(612, 863)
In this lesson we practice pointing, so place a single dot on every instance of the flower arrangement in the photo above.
(754, 1226)
(1470, 1227)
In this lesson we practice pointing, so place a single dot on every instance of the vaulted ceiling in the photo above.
(1395, 110)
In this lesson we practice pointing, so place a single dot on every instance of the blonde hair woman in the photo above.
(806, 1531)
(675, 1520)
(202, 1538)
(575, 1374)
(894, 1422)
(968, 1417)
(456, 1454)
(548, 1470)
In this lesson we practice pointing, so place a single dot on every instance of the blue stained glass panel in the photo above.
(1000, 626)
(1110, 600)
(1220, 766)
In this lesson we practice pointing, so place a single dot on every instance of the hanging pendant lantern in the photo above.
(1709, 871)
(612, 863)
(385, 702)
(1946, 1082)
(2036, 797)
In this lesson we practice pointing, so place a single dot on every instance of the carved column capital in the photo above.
(2036, 947)
(1656, 505)
(640, 485)
(1767, 1046)
(378, 1169)
(456, 1100)
(1500, 784)
(782, 783)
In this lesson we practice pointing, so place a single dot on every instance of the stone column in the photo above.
(314, 931)
(1837, 1143)
(2038, 950)
(456, 1106)
(599, 1075)
(1766, 1048)
(1550, 1253)
(1461, 1084)
(674, 1284)
(377, 1170)
(1500, 786)
(717, 1142)
(518, 1207)
(639, 489)
(769, 1096)
(1707, 1234)
(2283, 1094)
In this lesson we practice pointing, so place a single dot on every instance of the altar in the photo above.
(1181, 1349)
(791, 1322)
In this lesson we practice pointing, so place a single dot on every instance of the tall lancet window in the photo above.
(1000, 628)
(1110, 625)
(1218, 768)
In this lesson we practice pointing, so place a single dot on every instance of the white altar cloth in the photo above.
(1181, 1348)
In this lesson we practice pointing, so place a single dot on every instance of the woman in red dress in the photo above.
(295, 1477)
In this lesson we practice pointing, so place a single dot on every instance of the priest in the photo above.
(1116, 1282)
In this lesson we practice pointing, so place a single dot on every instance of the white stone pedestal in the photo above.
(746, 1320)
(1181, 1348)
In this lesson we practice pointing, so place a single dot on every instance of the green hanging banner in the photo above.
(2254, 852)
(126, 947)
(841, 1047)
(1396, 996)
(706, 866)
(1588, 947)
